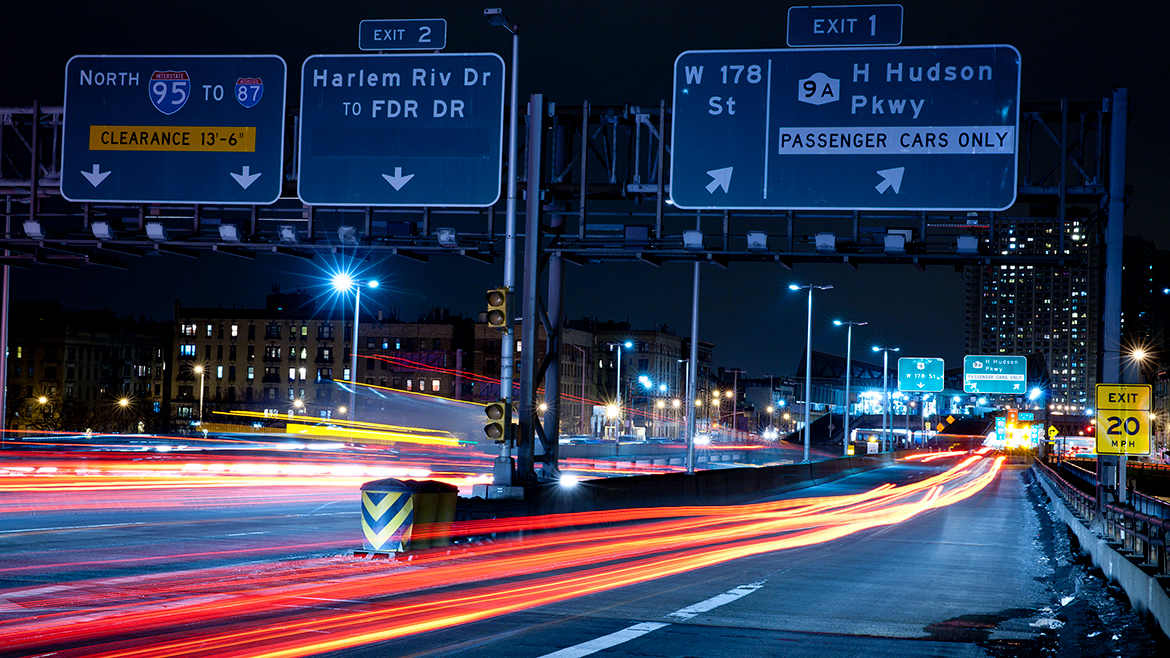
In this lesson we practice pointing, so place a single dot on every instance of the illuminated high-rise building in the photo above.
(1023, 309)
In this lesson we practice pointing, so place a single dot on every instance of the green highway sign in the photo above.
(902, 128)
(173, 129)
(923, 375)
(995, 374)
(422, 129)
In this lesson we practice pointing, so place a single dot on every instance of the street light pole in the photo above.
(618, 392)
(808, 365)
(342, 282)
(502, 474)
(886, 390)
(849, 324)
(199, 370)
(357, 316)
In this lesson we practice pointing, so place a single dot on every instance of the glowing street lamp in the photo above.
(619, 380)
(343, 282)
(199, 371)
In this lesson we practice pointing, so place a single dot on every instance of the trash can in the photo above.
(394, 511)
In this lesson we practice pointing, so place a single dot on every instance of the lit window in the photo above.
(219, 372)
(251, 372)
(292, 374)
(235, 330)
(302, 373)
(435, 385)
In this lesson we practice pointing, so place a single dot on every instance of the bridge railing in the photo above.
(1140, 529)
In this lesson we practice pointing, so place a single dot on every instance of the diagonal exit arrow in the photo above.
(890, 178)
(719, 178)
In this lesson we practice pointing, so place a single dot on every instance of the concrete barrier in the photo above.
(725, 486)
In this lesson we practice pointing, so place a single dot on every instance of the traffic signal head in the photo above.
(497, 421)
(497, 313)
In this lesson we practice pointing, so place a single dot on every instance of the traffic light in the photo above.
(496, 428)
(497, 313)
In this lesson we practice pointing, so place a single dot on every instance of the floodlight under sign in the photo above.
(348, 235)
(287, 234)
(33, 229)
(229, 233)
(157, 232)
(103, 231)
(447, 237)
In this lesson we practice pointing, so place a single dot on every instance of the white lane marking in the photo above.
(715, 601)
(638, 630)
(606, 641)
(242, 534)
(72, 527)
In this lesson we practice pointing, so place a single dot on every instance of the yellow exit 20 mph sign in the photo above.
(1123, 419)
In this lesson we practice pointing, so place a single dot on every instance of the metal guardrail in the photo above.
(1141, 502)
(1138, 531)
(1084, 475)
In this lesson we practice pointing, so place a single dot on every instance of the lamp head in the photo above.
(495, 16)
(342, 281)
(793, 286)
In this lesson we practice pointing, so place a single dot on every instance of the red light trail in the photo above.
(282, 610)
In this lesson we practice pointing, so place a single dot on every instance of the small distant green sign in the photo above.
(922, 375)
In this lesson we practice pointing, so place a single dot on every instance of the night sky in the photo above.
(606, 52)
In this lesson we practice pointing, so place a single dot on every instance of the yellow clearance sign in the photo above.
(1123, 419)
(169, 138)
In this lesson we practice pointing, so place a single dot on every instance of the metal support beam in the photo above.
(525, 458)
(1111, 470)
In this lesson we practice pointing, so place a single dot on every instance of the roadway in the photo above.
(949, 582)
(835, 570)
